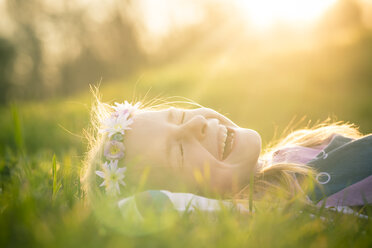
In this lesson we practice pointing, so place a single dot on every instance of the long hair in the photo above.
(294, 179)
(99, 111)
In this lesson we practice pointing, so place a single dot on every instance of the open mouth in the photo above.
(227, 142)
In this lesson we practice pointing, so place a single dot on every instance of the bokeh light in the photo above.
(266, 13)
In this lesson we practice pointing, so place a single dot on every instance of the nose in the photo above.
(196, 126)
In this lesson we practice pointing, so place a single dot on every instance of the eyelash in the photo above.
(183, 117)
(181, 150)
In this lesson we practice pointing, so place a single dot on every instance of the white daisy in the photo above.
(126, 107)
(114, 150)
(116, 124)
(113, 176)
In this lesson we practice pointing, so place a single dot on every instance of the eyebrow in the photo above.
(183, 117)
(173, 112)
(169, 115)
(182, 155)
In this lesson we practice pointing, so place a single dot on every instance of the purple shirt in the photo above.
(357, 194)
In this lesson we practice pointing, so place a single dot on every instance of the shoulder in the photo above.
(342, 163)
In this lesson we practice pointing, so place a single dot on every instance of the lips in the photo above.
(226, 142)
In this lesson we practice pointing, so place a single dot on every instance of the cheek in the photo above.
(196, 157)
(197, 163)
(204, 170)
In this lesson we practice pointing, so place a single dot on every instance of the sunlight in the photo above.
(160, 16)
(265, 13)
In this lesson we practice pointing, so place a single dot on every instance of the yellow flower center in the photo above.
(114, 150)
(118, 126)
(113, 177)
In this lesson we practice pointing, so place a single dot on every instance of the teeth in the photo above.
(223, 141)
(229, 141)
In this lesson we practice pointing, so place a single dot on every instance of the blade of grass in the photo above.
(56, 185)
(251, 183)
(18, 135)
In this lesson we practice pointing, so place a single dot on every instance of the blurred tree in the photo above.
(7, 55)
(61, 48)
(28, 81)
(109, 50)
(58, 47)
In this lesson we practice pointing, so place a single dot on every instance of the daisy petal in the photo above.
(114, 165)
(122, 170)
(100, 174)
(117, 187)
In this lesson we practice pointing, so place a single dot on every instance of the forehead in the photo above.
(148, 137)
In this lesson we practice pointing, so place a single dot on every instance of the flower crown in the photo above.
(113, 149)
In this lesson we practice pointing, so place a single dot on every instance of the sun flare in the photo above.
(265, 13)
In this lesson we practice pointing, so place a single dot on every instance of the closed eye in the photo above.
(183, 117)
(181, 152)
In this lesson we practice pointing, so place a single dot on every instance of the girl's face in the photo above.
(194, 143)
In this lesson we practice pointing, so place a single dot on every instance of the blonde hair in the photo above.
(290, 178)
(287, 177)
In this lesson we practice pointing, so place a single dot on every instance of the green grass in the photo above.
(42, 148)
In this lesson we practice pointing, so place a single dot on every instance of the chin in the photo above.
(247, 148)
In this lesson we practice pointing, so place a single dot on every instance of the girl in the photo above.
(179, 150)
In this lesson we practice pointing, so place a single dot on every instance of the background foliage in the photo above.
(261, 79)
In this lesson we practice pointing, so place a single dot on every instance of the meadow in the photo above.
(43, 145)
